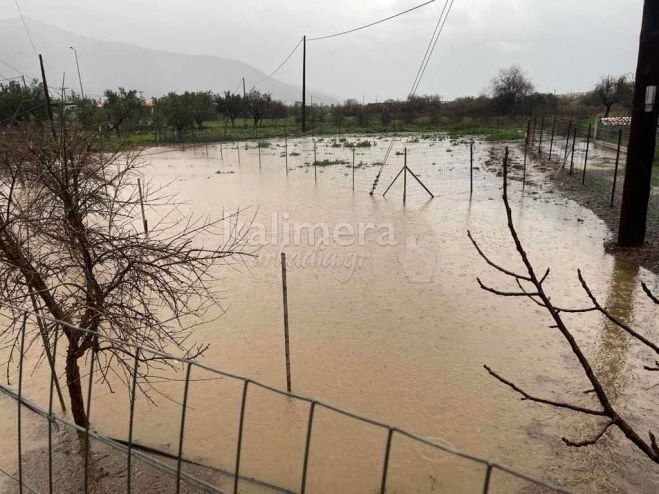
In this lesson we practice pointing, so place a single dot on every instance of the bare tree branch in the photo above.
(540, 297)
(589, 442)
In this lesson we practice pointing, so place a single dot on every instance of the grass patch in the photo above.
(329, 162)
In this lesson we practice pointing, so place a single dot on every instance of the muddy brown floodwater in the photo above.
(387, 320)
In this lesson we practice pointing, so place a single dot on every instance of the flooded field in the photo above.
(387, 320)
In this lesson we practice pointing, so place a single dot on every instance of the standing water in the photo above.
(387, 320)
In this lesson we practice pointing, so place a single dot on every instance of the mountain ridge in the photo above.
(113, 64)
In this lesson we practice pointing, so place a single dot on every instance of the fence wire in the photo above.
(446, 166)
(141, 354)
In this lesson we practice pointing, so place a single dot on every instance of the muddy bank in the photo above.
(549, 178)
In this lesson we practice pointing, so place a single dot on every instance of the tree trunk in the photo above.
(608, 110)
(74, 385)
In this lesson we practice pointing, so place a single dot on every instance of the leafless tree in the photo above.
(530, 285)
(611, 90)
(72, 249)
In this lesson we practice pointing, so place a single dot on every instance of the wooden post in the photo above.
(585, 161)
(642, 133)
(221, 152)
(542, 129)
(615, 173)
(258, 145)
(286, 345)
(353, 168)
(144, 221)
(238, 149)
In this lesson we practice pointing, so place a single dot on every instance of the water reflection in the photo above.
(612, 351)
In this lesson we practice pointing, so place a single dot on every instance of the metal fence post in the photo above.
(585, 161)
(286, 153)
(21, 359)
(89, 406)
(285, 297)
(131, 418)
(145, 223)
(567, 141)
(238, 149)
(405, 178)
(315, 162)
(574, 139)
(551, 144)
(615, 173)
(471, 167)
(526, 141)
(542, 129)
(385, 466)
(182, 429)
(241, 424)
(307, 448)
(486, 482)
(353, 168)
(258, 145)
(53, 378)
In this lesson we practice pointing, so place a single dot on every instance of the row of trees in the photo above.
(511, 93)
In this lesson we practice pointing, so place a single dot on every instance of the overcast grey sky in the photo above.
(563, 45)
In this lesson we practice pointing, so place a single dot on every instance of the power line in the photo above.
(417, 80)
(425, 66)
(370, 24)
(430, 41)
(26, 28)
(280, 65)
(10, 66)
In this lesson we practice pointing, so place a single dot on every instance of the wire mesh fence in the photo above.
(593, 152)
(438, 164)
(182, 479)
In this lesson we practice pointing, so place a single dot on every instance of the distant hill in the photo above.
(109, 65)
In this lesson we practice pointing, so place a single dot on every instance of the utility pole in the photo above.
(47, 97)
(244, 92)
(75, 52)
(643, 133)
(304, 83)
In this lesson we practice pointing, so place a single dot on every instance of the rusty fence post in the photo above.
(145, 223)
(286, 341)
(551, 144)
(471, 167)
(585, 161)
(241, 426)
(181, 432)
(574, 140)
